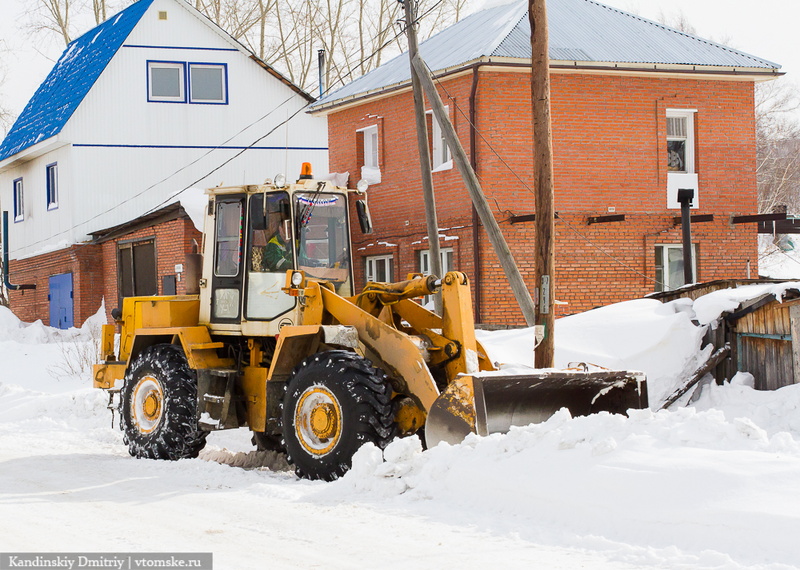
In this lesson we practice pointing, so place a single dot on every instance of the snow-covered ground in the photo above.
(715, 484)
(779, 257)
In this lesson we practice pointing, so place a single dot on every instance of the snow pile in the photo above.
(711, 485)
(779, 256)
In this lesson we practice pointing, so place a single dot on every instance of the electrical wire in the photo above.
(529, 189)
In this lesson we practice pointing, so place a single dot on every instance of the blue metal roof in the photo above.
(70, 80)
(580, 31)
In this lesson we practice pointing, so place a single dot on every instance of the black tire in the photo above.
(267, 442)
(335, 402)
(158, 405)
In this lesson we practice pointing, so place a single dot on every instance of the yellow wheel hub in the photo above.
(324, 422)
(318, 420)
(152, 406)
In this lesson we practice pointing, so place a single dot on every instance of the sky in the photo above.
(767, 29)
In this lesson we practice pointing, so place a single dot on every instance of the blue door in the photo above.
(61, 301)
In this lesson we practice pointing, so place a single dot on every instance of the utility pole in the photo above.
(434, 257)
(543, 172)
(518, 287)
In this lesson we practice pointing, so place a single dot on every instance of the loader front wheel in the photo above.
(335, 402)
(158, 405)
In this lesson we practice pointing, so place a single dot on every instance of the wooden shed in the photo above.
(763, 333)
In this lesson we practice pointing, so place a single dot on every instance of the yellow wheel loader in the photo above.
(276, 340)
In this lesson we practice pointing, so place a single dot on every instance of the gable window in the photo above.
(207, 83)
(136, 263)
(368, 153)
(52, 186)
(441, 159)
(19, 201)
(680, 141)
(669, 266)
(379, 268)
(166, 81)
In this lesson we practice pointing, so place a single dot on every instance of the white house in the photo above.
(154, 100)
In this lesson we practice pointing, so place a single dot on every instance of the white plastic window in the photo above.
(379, 268)
(166, 81)
(207, 83)
(669, 267)
(441, 159)
(680, 141)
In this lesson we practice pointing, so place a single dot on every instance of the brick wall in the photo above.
(173, 241)
(83, 261)
(609, 138)
(94, 271)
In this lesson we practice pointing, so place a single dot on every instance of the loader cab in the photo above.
(253, 236)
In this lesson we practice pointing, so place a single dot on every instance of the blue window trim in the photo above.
(183, 78)
(179, 47)
(52, 197)
(19, 209)
(201, 147)
(224, 67)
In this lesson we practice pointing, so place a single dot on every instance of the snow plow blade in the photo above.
(492, 404)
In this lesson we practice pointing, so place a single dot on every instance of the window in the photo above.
(19, 201)
(136, 263)
(379, 268)
(52, 186)
(440, 152)
(680, 141)
(446, 254)
(207, 83)
(669, 266)
(165, 81)
(229, 239)
(368, 153)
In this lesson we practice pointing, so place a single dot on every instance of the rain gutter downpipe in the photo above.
(8, 285)
(473, 159)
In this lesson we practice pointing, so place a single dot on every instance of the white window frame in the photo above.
(51, 176)
(371, 263)
(224, 78)
(447, 256)
(441, 157)
(179, 65)
(689, 139)
(662, 283)
(19, 200)
(371, 146)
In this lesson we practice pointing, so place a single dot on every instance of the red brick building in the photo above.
(150, 255)
(638, 111)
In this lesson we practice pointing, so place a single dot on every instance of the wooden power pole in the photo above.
(518, 287)
(543, 172)
(434, 257)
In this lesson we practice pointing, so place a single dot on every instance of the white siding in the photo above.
(129, 155)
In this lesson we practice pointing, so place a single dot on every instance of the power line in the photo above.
(528, 188)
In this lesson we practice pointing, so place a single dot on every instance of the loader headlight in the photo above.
(362, 186)
(297, 278)
(280, 180)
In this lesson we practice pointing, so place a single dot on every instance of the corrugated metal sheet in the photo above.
(70, 80)
(580, 30)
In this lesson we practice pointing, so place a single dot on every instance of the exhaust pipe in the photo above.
(7, 283)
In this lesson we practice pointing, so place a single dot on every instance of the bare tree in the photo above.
(6, 116)
(51, 16)
(778, 145)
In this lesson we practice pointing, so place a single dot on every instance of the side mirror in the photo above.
(364, 218)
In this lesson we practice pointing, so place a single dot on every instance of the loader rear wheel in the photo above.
(335, 402)
(158, 405)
